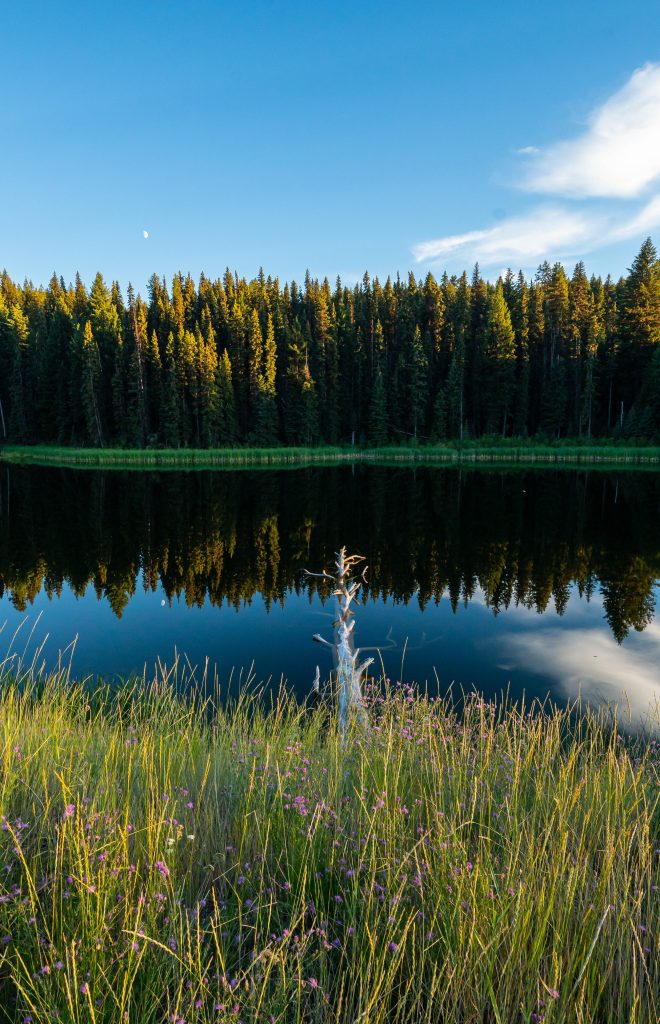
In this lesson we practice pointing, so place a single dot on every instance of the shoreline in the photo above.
(540, 456)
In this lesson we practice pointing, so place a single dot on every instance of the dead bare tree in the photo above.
(348, 670)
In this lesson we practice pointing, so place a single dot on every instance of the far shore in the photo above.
(516, 452)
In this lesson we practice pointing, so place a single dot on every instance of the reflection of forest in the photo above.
(523, 537)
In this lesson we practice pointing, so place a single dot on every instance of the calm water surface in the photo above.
(539, 581)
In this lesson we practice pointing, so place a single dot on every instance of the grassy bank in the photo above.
(514, 452)
(163, 860)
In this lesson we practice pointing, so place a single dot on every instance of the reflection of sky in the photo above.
(518, 649)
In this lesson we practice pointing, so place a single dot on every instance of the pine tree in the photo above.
(641, 308)
(520, 320)
(54, 414)
(653, 393)
(439, 428)
(19, 399)
(207, 373)
(640, 321)
(90, 386)
(455, 389)
(255, 356)
(118, 386)
(536, 354)
(137, 399)
(580, 328)
(171, 404)
(611, 347)
(499, 363)
(418, 383)
(593, 345)
(227, 426)
(554, 390)
(301, 419)
(154, 378)
(378, 412)
(270, 358)
(475, 348)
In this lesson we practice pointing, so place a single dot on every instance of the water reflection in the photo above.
(521, 538)
(587, 662)
(534, 582)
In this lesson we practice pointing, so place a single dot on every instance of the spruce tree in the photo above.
(378, 412)
(227, 426)
(19, 400)
(520, 320)
(499, 362)
(580, 329)
(640, 321)
(90, 386)
(171, 403)
(418, 383)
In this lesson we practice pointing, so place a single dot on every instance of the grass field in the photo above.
(512, 452)
(166, 860)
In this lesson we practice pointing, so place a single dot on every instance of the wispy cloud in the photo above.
(587, 661)
(640, 223)
(546, 232)
(619, 153)
(539, 234)
(616, 158)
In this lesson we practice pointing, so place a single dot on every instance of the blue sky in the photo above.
(336, 137)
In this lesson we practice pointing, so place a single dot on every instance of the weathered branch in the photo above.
(349, 674)
(323, 575)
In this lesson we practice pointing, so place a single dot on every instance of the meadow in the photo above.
(165, 857)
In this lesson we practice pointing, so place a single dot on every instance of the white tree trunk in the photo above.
(348, 671)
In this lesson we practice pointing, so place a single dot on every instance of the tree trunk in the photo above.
(345, 655)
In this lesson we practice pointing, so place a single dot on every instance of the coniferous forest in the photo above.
(232, 362)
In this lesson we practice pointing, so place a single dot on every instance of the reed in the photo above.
(499, 452)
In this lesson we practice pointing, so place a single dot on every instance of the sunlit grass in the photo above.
(166, 859)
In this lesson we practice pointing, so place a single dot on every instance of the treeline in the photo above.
(427, 535)
(232, 362)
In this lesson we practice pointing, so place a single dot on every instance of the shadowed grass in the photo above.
(166, 859)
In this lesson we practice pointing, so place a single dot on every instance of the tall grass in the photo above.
(166, 859)
(512, 451)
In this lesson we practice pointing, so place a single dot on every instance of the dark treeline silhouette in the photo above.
(521, 537)
(231, 362)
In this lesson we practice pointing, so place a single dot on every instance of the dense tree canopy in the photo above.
(235, 362)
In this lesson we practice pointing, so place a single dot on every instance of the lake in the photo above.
(535, 581)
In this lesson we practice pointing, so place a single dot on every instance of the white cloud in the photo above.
(544, 232)
(619, 153)
(643, 221)
(617, 158)
(589, 662)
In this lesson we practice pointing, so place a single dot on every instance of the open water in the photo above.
(539, 582)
